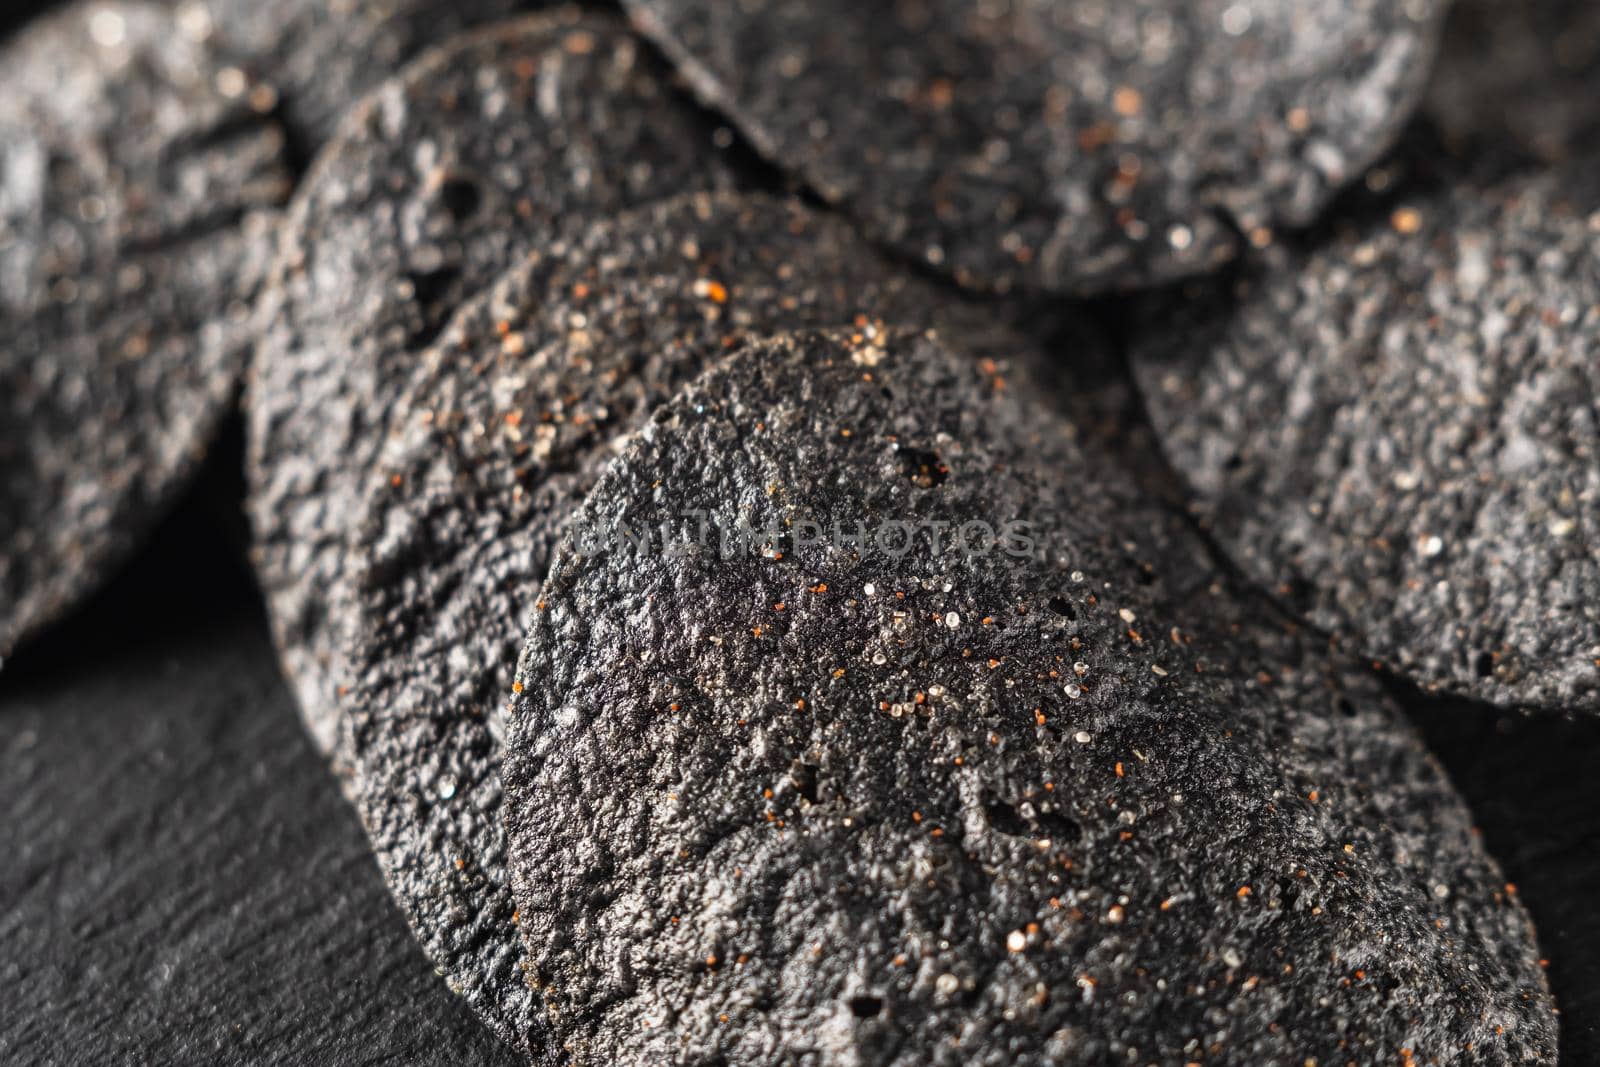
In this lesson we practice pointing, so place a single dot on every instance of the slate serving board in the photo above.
(183, 883)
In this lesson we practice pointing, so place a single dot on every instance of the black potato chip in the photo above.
(318, 57)
(1073, 146)
(135, 181)
(831, 793)
(482, 150)
(511, 418)
(1395, 429)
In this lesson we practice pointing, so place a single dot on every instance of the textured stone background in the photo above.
(182, 882)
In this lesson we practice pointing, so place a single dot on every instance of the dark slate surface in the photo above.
(182, 882)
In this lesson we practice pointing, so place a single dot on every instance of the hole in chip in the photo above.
(460, 197)
(1006, 819)
(925, 469)
(865, 1007)
(804, 777)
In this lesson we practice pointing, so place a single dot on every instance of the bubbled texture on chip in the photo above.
(1394, 429)
(134, 191)
(1077, 146)
(934, 807)
(508, 422)
(482, 150)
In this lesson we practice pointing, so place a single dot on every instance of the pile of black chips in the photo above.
(818, 534)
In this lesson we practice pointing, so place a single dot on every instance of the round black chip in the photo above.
(507, 424)
(1070, 145)
(482, 150)
(977, 805)
(134, 184)
(317, 58)
(1395, 430)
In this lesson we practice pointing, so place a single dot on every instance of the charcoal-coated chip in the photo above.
(482, 150)
(1395, 429)
(307, 61)
(1525, 73)
(134, 190)
(1071, 145)
(317, 58)
(829, 803)
(509, 421)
